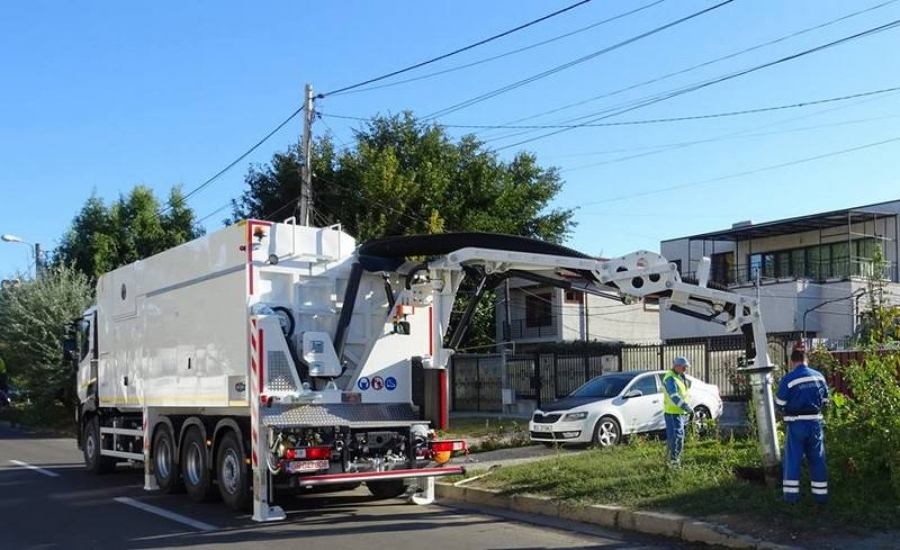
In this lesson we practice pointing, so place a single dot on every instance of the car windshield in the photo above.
(603, 386)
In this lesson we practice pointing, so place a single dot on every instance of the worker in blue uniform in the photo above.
(801, 398)
(676, 407)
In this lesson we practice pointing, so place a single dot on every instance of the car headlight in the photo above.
(575, 416)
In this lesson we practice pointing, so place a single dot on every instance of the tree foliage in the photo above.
(402, 176)
(35, 314)
(863, 425)
(102, 238)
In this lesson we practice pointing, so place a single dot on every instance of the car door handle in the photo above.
(656, 400)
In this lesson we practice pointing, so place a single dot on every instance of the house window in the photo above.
(574, 297)
(538, 310)
(798, 263)
(722, 268)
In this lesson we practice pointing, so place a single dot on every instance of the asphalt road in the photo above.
(48, 502)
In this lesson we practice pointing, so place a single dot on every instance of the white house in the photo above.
(809, 272)
(536, 313)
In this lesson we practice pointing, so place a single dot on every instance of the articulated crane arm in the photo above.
(630, 278)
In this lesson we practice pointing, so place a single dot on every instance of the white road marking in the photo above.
(47, 473)
(167, 514)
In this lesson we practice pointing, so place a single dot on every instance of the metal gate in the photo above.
(476, 382)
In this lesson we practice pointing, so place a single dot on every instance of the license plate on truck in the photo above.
(307, 466)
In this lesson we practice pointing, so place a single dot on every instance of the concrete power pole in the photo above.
(306, 201)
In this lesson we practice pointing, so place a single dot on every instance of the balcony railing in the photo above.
(820, 271)
(518, 329)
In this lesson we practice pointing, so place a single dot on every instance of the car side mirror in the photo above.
(633, 393)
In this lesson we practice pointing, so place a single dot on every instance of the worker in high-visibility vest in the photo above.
(801, 397)
(676, 408)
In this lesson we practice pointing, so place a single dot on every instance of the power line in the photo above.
(653, 149)
(741, 174)
(533, 78)
(454, 52)
(663, 120)
(214, 212)
(240, 158)
(699, 86)
(715, 139)
(709, 62)
(511, 52)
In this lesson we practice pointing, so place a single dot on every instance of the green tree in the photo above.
(35, 314)
(863, 426)
(102, 238)
(402, 176)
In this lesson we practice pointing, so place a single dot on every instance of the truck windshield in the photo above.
(603, 386)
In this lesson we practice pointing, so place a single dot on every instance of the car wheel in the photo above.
(700, 418)
(607, 432)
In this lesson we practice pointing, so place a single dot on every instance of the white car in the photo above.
(608, 407)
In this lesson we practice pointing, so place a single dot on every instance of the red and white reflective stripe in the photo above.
(254, 385)
(406, 473)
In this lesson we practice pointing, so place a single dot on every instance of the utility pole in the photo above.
(305, 201)
(38, 267)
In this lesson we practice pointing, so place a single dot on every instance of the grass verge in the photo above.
(635, 475)
(488, 434)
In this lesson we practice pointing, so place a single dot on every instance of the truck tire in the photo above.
(195, 468)
(388, 488)
(232, 474)
(165, 465)
(93, 460)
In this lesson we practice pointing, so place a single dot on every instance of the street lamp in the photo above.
(7, 238)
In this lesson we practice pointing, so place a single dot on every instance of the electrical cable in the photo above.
(701, 85)
(240, 158)
(741, 174)
(708, 62)
(454, 52)
(538, 76)
(808, 103)
(511, 52)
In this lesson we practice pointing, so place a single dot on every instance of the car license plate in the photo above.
(543, 428)
(307, 465)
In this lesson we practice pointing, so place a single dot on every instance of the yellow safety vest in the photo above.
(670, 407)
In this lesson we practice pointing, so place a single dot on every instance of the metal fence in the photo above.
(477, 379)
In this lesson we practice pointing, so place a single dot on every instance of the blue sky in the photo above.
(102, 96)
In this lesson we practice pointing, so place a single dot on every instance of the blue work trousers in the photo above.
(804, 437)
(675, 435)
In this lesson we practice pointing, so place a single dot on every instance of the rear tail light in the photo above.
(308, 453)
(447, 446)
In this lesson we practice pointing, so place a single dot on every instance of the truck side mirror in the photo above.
(70, 351)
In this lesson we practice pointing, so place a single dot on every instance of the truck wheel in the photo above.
(165, 467)
(233, 474)
(93, 460)
(388, 488)
(195, 468)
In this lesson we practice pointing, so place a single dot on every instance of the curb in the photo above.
(650, 523)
